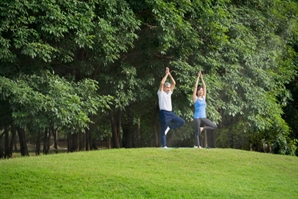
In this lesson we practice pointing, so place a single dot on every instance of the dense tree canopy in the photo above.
(95, 67)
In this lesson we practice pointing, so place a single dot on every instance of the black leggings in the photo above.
(207, 125)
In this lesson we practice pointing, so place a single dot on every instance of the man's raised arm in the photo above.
(167, 73)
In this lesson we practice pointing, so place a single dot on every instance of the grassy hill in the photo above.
(151, 173)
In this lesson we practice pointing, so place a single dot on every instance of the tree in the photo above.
(244, 48)
(70, 38)
(47, 101)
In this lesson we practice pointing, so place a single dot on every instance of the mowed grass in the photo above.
(151, 173)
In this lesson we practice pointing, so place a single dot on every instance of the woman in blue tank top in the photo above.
(199, 100)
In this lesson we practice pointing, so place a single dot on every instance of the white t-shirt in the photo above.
(164, 100)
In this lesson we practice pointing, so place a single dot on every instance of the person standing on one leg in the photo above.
(168, 120)
(199, 100)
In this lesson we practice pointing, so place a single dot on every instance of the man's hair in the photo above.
(166, 84)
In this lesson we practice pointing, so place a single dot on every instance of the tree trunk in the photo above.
(155, 125)
(205, 138)
(69, 142)
(108, 142)
(6, 136)
(137, 136)
(118, 123)
(23, 144)
(80, 140)
(92, 139)
(128, 130)
(127, 139)
(74, 142)
(37, 147)
(115, 129)
(46, 141)
(211, 138)
(54, 131)
(2, 154)
(12, 140)
(88, 139)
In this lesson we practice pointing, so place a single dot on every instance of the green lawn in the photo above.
(151, 173)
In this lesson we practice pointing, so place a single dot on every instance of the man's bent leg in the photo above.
(176, 121)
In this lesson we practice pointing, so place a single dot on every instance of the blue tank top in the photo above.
(200, 108)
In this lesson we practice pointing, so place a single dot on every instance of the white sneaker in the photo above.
(167, 130)
(165, 147)
(195, 147)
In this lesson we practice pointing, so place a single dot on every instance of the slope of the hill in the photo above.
(151, 173)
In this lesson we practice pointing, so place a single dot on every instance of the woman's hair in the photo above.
(198, 88)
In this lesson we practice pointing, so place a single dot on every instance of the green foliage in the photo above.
(241, 47)
(57, 31)
(43, 99)
(246, 50)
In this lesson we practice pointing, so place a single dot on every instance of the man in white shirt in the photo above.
(168, 120)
